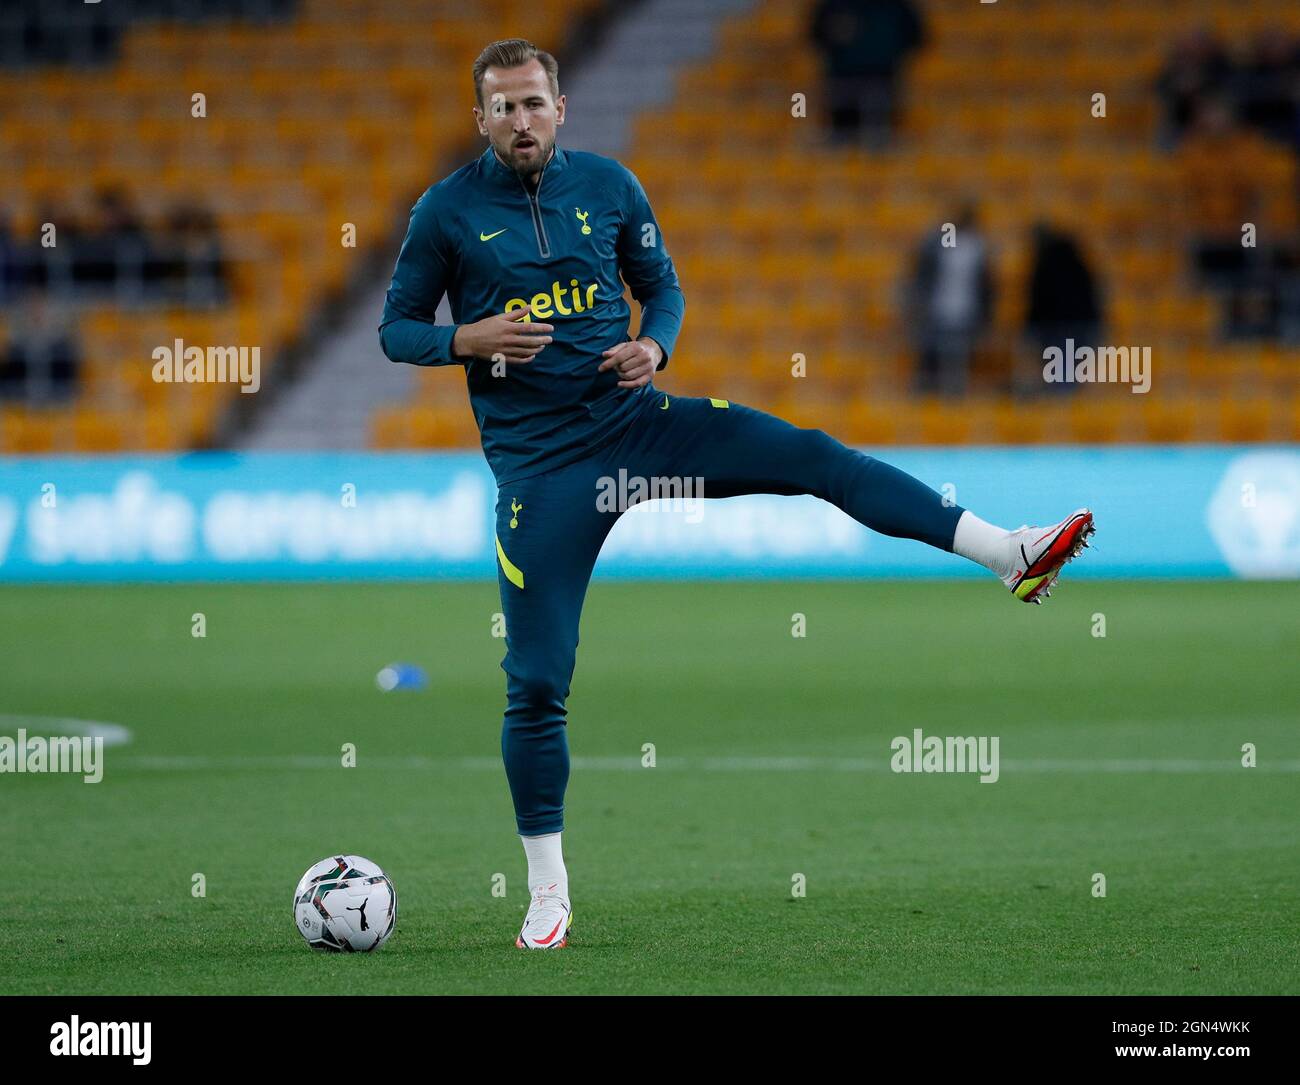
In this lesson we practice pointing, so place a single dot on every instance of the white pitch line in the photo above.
(192, 762)
(113, 734)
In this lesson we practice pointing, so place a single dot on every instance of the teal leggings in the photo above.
(551, 527)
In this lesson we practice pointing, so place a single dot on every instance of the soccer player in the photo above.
(529, 242)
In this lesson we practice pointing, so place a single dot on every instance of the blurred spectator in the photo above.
(42, 359)
(192, 267)
(1269, 86)
(1064, 301)
(83, 32)
(10, 264)
(113, 249)
(1251, 311)
(1287, 267)
(1223, 184)
(50, 268)
(951, 303)
(863, 45)
(1198, 68)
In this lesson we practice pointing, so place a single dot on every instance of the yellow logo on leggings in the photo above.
(514, 574)
(516, 508)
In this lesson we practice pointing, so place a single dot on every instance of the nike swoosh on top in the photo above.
(549, 937)
(488, 237)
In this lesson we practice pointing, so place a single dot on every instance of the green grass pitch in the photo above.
(1120, 755)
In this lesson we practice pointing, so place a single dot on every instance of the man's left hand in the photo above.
(636, 362)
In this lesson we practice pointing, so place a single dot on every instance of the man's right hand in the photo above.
(507, 335)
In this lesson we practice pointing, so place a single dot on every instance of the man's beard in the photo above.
(531, 166)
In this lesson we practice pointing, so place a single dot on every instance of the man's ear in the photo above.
(559, 110)
(478, 120)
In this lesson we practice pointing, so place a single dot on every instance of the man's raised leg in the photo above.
(738, 450)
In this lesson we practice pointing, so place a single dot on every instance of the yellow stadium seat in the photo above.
(389, 428)
(1169, 421)
(29, 432)
(1245, 420)
(159, 428)
(422, 426)
(1292, 427)
(98, 431)
(872, 422)
(1017, 423)
(943, 422)
(1093, 420)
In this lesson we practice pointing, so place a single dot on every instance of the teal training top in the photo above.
(492, 245)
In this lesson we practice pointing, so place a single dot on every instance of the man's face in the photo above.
(519, 115)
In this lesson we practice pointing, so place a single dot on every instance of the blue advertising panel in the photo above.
(1182, 511)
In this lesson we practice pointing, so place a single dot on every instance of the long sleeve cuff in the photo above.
(661, 319)
(418, 342)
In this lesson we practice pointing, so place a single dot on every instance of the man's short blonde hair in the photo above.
(514, 53)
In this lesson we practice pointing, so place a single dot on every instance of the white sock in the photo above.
(983, 543)
(546, 864)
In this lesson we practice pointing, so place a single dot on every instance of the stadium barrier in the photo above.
(1169, 512)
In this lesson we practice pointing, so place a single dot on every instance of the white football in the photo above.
(346, 904)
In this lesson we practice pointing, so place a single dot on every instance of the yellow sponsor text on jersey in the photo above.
(561, 301)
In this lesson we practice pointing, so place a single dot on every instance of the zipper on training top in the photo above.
(539, 227)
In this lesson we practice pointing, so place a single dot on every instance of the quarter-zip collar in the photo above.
(505, 175)
(511, 178)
